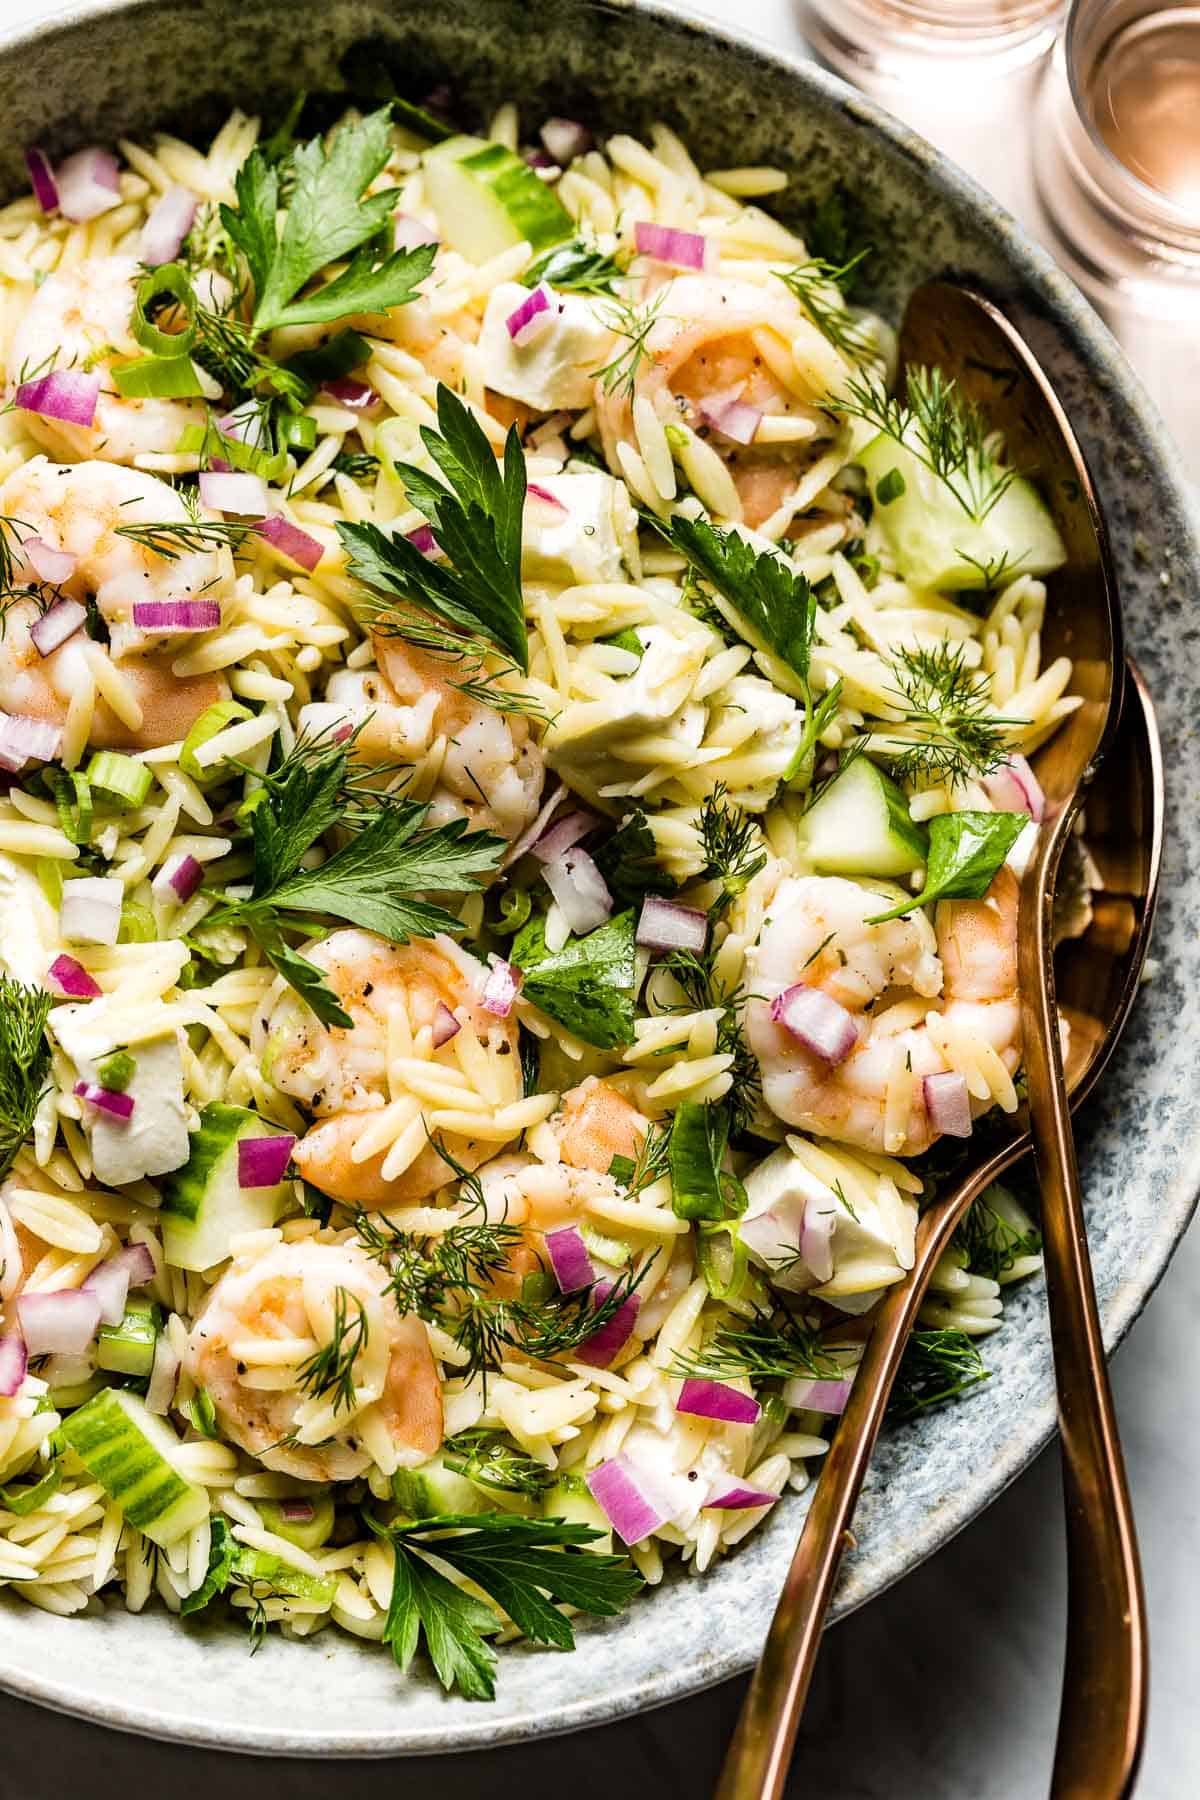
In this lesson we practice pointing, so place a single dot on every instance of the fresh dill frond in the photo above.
(991, 1243)
(937, 425)
(24, 1064)
(995, 573)
(769, 1347)
(633, 325)
(957, 735)
(170, 538)
(330, 1369)
(734, 852)
(636, 1173)
(819, 286)
(490, 1460)
(937, 1366)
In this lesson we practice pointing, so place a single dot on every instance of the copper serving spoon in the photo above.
(1096, 976)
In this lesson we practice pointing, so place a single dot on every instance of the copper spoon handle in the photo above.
(756, 1763)
(1103, 1714)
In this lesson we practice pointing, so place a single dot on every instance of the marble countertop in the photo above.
(946, 1687)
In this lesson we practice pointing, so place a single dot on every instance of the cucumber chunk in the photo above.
(128, 1348)
(306, 1534)
(570, 1499)
(203, 1207)
(860, 825)
(253, 1567)
(933, 540)
(128, 1451)
(432, 1489)
(486, 199)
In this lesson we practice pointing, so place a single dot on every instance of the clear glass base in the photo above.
(872, 42)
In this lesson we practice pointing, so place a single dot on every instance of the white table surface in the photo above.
(944, 1689)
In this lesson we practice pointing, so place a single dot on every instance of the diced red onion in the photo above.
(88, 184)
(109, 1282)
(164, 1374)
(348, 391)
(41, 176)
(422, 539)
(90, 909)
(71, 979)
(830, 1397)
(741, 1499)
(580, 890)
(64, 394)
(665, 925)
(23, 740)
(532, 319)
(533, 832)
(569, 1259)
(565, 139)
(291, 541)
(297, 1512)
(666, 244)
(603, 1345)
(626, 1499)
(58, 623)
(545, 496)
(14, 1361)
(1014, 787)
(717, 1400)
(948, 1104)
(170, 220)
(107, 1100)
(263, 1161)
(543, 164)
(500, 990)
(816, 1236)
(59, 1324)
(49, 563)
(737, 421)
(563, 835)
(445, 1025)
(409, 233)
(178, 879)
(235, 492)
(178, 615)
(821, 1024)
(138, 1260)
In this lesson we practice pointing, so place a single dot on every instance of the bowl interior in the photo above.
(106, 71)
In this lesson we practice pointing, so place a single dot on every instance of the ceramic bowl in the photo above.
(105, 70)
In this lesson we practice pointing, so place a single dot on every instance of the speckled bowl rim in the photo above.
(479, 1727)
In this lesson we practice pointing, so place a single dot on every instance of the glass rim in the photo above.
(1145, 196)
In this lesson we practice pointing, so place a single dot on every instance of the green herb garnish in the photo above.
(938, 426)
(588, 985)
(24, 1064)
(812, 283)
(576, 268)
(949, 706)
(965, 851)
(700, 1187)
(937, 1366)
(330, 1369)
(490, 1460)
(765, 601)
(628, 861)
(633, 326)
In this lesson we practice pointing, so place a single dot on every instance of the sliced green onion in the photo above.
(26, 1499)
(120, 779)
(73, 798)
(202, 1413)
(116, 1071)
(515, 908)
(137, 924)
(536, 1289)
(160, 377)
(213, 719)
(298, 432)
(171, 280)
(722, 1264)
(207, 441)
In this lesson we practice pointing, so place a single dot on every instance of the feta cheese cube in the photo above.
(558, 369)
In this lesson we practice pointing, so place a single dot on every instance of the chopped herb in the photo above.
(770, 1347)
(619, 376)
(937, 1366)
(529, 1567)
(589, 985)
(820, 288)
(576, 268)
(890, 488)
(767, 603)
(965, 851)
(989, 1238)
(636, 1173)
(360, 465)
(24, 1064)
(172, 537)
(700, 1187)
(628, 861)
(949, 706)
(734, 852)
(490, 1460)
(222, 1553)
(939, 427)
(330, 1369)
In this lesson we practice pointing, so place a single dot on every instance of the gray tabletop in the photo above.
(947, 1687)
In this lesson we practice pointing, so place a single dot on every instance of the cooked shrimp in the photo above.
(342, 1075)
(817, 933)
(80, 318)
(267, 1315)
(489, 769)
(76, 508)
(596, 1124)
(703, 353)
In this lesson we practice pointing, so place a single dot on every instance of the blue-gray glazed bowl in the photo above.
(102, 70)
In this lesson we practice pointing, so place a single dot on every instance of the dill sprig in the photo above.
(734, 852)
(359, 465)
(814, 284)
(938, 425)
(769, 1347)
(24, 1064)
(170, 538)
(489, 1460)
(937, 1366)
(633, 325)
(636, 1173)
(992, 1244)
(330, 1369)
(949, 707)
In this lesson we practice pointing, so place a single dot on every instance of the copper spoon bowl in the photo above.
(1096, 977)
